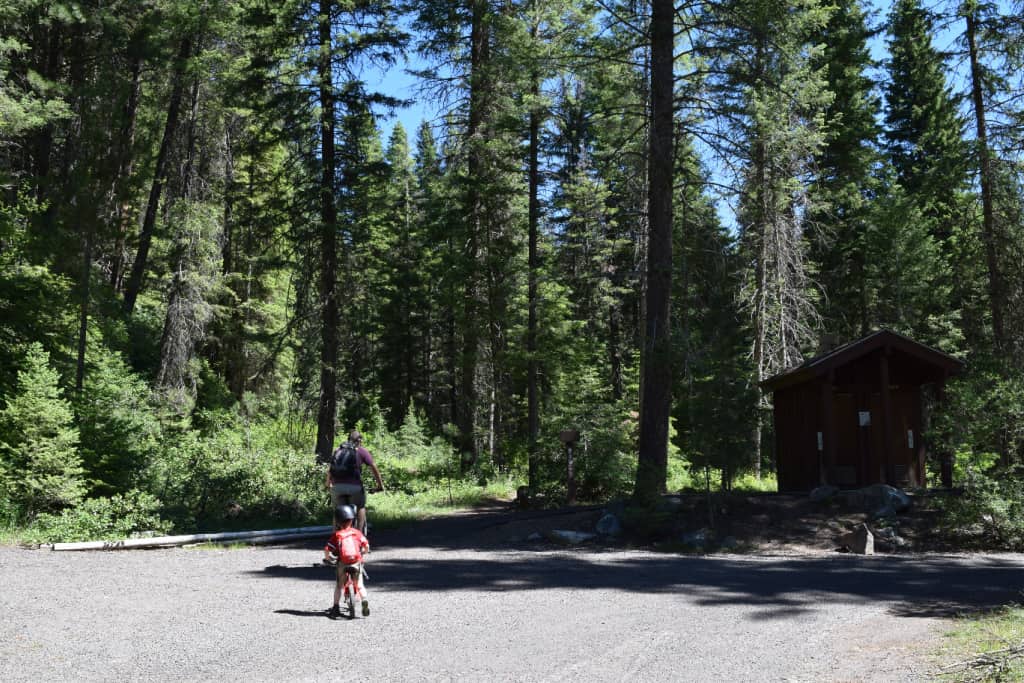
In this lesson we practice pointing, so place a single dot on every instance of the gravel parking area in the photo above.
(443, 611)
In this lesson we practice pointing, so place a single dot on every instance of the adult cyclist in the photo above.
(345, 476)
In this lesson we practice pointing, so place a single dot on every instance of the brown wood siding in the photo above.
(797, 418)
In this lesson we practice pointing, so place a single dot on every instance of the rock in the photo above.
(615, 507)
(609, 525)
(884, 512)
(877, 496)
(572, 537)
(730, 543)
(860, 541)
(535, 537)
(835, 526)
(823, 493)
(696, 539)
(889, 537)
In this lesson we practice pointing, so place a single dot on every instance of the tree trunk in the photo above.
(159, 176)
(996, 288)
(657, 368)
(83, 319)
(125, 165)
(328, 243)
(470, 339)
(532, 369)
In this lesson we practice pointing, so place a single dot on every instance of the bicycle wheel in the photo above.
(350, 601)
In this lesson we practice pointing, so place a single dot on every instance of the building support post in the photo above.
(886, 417)
(827, 446)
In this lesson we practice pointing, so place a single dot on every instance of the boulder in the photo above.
(571, 537)
(823, 493)
(878, 496)
(609, 525)
(696, 539)
(860, 541)
(887, 538)
(730, 543)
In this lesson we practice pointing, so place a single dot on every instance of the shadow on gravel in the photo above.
(304, 613)
(784, 586)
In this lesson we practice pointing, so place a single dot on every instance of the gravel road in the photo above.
(442, 610)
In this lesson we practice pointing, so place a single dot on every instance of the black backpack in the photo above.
(344, 461)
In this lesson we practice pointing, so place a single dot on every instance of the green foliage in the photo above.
(411, 462)
(990, 511)
(33, 307)
(605, 458)
(202, 395)
(27, 100)
(118, 424)
(234, 471)
(983, 413)
(101, 519)
(748, 482)
(40, 466)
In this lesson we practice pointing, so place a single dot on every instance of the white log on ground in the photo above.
(265, 536)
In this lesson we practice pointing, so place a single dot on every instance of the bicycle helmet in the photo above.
(344, 512)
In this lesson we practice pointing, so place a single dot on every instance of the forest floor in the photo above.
(747, 523)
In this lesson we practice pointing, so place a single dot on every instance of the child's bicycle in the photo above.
(349, 591)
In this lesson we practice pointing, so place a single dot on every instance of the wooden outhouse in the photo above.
(852, 416)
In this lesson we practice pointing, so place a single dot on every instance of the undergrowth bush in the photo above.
(237, 476)
(113, 518)
(990, 512)
(391, 508)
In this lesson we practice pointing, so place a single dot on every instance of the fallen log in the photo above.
(265, 536)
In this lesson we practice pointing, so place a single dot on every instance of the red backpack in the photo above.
(349, 551)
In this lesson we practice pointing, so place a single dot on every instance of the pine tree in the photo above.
(656, 397)
(771, 95)
(715, 402)
(923, 126)
(40, 467)
(846, 174)
(403, 323)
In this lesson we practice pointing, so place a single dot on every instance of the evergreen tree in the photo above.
(926, 147)
(923, 126)
(772, 95)
(715, 401)
(40, 467)
(656, 363)
(846, 175)
(404, 304)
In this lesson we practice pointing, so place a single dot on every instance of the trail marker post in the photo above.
(569, 437)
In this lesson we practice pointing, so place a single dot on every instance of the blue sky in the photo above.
(397, 82)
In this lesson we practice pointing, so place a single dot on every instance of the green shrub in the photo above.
(409, 461)
(101, 519)
(990, 512)
(391, 508)
(748, 482)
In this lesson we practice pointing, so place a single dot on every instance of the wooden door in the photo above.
(846, 470)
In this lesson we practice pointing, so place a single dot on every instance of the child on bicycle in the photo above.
(345, 549)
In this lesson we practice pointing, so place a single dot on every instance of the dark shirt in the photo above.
(362, 456)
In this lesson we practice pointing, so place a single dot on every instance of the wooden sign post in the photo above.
(569, 437)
